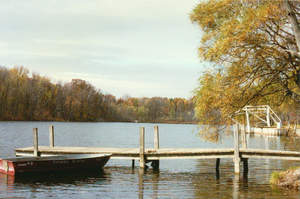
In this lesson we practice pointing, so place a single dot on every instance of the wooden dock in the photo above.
(153, 155)
(133, 153)
(165, 153)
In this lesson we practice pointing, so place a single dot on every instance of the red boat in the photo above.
(24, 165)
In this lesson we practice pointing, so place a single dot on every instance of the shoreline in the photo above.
(154, 122)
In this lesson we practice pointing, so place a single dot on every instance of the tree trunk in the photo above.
(294, 22)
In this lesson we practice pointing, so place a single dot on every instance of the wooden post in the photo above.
(236, 158)
(51, 136)
(142, 147)
(245, 165)
(132, 164)
(244, 139)
(155, 163)
(218, 164)
(156, 138)
(218, 168)
(35, 142)
(248, 121)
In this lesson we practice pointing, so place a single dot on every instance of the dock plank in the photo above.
(163, 153)
(131, 153)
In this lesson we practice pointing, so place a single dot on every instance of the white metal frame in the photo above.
(265, 110)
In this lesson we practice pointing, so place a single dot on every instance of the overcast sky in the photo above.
(141, 48)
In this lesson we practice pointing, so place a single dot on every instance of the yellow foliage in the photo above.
(249, 40)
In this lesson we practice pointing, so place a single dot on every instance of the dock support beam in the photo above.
(51, 136)
(218, 168)
(155, 163)
(245, 165)
(35, 142)
(142, 147)
(218, 164)
(132, 163)
(236, 158)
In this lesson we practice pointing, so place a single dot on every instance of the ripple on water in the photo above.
(176, 179)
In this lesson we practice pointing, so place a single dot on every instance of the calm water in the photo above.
(176, 178)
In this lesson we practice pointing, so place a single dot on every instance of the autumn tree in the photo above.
(254, 49)
(25, 96)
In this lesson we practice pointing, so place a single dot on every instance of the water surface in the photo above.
(175, 179)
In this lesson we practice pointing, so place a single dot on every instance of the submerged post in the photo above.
(132, 163)
(218, 167)
(245, 165)
(35, 142)
(142, 147)
(51, 136)
(236, 158)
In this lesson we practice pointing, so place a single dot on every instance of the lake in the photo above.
(175, 179)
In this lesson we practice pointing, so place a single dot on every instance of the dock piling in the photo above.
(154, 156)
(51, 136)
(35, 142)
(245, 165)
(142, 147)
(156, 137)
(132, 163)
(218, 165)
(236, 158)
(244, 139)
(218, 168)
(155, 163)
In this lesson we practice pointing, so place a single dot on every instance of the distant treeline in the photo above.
(36, 98)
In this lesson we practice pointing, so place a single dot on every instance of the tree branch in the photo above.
(294, 21)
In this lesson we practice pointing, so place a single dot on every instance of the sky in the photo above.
(138, 48)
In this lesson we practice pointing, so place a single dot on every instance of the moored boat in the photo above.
(82, 162)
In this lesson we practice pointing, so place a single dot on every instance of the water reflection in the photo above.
(54, 178)
(201, 184)
(229, 185)
(141, 183)
(289, 143)
(176, 178)
(273, 142)
(13, 186)
(155, 182)
(235, 190)
(6, 182)
(211, 133)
